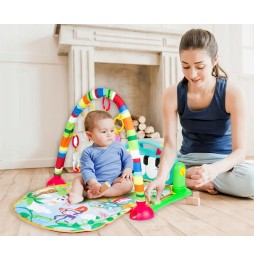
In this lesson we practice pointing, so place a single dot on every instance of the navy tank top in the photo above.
(207, 130)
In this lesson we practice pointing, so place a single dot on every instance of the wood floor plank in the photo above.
(6, 179)
(154, 227)
(186, 222)
(31, 230)
(245, 203)
(224, 205)
(40, 178)
(215, 217)
(68, 177)
(120, 227)
(10, 224)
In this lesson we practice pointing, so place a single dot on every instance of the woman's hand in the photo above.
(204, 174)
(158, 184)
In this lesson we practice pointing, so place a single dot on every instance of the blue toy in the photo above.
(150, 152)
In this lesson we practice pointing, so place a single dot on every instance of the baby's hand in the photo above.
(94, 187)
(127, 174)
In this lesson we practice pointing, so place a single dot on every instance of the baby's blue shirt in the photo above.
(105, 164)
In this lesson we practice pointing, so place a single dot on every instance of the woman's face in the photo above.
(197, 66)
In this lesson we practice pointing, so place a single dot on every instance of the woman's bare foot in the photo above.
(209, 187)
(190, 171)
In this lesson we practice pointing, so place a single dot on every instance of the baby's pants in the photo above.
(238, 181)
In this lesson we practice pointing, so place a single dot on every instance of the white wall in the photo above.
(230, 54)
(33, 96)
(34, 91)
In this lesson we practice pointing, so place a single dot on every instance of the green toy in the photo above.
(175, 180)
(179, 189)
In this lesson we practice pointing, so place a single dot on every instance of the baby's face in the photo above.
(103, 133)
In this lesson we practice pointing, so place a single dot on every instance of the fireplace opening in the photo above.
(131, 82)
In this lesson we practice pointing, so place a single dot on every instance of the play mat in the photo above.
(49, 209)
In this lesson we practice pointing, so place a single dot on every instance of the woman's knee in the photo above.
(249, 190)
(238, 182)
(247, 182)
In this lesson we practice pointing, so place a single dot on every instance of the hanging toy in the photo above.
(75, 156)
(118, 121)
(103, 104)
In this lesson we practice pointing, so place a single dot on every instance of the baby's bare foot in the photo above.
(75, 198)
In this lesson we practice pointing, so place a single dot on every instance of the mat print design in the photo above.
(48, 208)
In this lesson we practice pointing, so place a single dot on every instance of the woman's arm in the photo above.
(169, 110)
(168, 155)
(236, 106)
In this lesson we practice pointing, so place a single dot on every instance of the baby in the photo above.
(105, 161)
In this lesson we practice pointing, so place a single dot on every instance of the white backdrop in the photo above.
(34, 88)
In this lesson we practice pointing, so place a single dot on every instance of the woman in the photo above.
(212, 112)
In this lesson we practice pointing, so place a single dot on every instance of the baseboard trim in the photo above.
(23, 164)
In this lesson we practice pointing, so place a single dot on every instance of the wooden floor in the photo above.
(217, 215)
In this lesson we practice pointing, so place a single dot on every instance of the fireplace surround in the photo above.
(136, 62)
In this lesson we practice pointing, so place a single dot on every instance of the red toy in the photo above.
(76, 156)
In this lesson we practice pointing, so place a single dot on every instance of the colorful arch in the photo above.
(141, 211)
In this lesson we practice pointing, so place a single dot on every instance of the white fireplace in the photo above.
(137, 63)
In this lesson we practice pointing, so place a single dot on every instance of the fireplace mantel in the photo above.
(120, 37)
(88, 44)
(100, 54)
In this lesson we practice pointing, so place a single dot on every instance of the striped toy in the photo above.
(141, 211)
